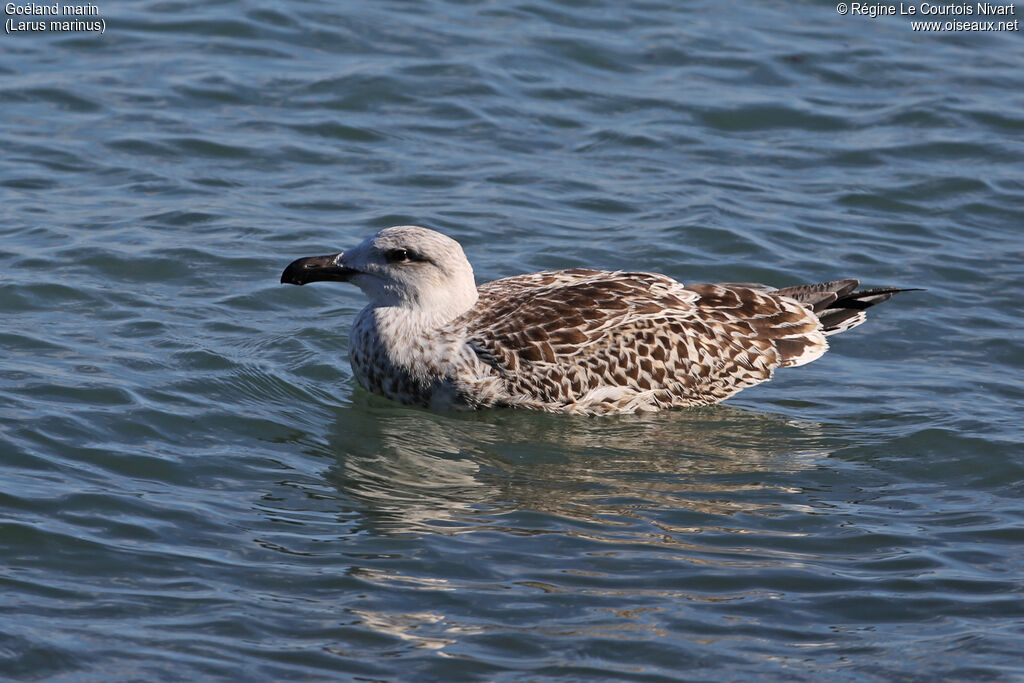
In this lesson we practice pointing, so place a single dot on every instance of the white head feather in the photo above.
(414, 268)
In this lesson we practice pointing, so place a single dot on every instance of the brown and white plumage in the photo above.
(574, 341)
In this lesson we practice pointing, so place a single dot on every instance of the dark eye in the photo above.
(397, 255)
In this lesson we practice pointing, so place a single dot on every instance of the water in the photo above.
(193, 488)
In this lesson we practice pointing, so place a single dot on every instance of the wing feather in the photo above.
(597, 341)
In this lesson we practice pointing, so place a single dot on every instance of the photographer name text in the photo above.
(974, 16)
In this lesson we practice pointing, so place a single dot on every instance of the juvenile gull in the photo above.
(569, 341)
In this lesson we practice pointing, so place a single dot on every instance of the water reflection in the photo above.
(409, 627)
(416, 471)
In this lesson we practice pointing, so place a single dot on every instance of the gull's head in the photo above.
(405, 266)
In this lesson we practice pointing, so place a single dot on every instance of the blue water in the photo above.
(193, 488)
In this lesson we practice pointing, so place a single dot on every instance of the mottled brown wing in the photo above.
(571, 336)
(496, 291)
(790, 326)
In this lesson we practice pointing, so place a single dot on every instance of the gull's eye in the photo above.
(397, 255)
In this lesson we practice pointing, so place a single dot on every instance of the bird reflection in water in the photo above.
(417, 471)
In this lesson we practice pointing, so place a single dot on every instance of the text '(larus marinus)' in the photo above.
(569, 341)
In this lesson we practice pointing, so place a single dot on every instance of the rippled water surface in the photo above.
(192, 487)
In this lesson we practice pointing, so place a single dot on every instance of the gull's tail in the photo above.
(838, 304)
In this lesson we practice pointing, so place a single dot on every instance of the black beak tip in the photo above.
(290, 275)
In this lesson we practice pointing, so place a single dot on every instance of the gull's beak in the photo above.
(316, 268)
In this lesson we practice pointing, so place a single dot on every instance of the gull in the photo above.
(578, 341)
